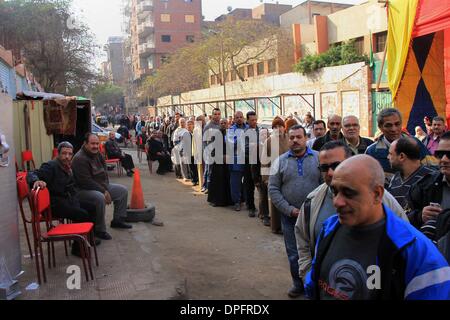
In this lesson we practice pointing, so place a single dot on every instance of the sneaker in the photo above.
(203, 190)
(237, 207)
(266, 222)
(103, 235)
(295, 292)
(252, 213)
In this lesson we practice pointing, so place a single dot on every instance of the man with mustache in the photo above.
(318, 206)
(292, 177)
(57, 176)
(351, 130)
(334, 132)
(366, 252)
(91, 176)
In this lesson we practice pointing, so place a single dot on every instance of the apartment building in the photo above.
(114, 67)
(158, 28)
(267, 12)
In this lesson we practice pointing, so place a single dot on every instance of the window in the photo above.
(380, 41)
(359, 45)
(213, 79)
(260, 68)
(190, 39)
(165, 17)
(166, 38)
(250, 71)
(189, 18)
(272, 65)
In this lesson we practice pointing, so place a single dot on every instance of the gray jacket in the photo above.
(287, 189)
(304, 242)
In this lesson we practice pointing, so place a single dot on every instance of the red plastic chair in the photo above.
(23, 192)
(114, 162)
(80, 232)
(27, 156)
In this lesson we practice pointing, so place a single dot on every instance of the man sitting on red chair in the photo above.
(57, 176)
(113, 152)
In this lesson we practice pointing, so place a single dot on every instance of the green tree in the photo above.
(57, 50)
(107, 94)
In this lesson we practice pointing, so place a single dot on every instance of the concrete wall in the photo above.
(300, 13)
(343, 90)
(9, 217)
(365, 18)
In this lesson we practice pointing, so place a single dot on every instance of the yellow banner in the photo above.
(401, 17)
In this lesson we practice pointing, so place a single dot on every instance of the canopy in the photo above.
(418, 55)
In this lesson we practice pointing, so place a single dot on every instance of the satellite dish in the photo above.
(229, 8)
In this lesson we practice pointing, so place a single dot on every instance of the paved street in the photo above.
(200, 253)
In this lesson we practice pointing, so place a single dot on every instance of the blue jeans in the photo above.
(236, 185)
(288, 227)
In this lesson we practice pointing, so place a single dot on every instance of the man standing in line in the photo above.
(438, 129)
(208, 132)
(366, 252)
(351, 130)
(294, 175)
(319, 130)
(318, 206)
(251, 153)
(333, 134)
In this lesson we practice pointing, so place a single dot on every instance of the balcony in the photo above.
(146, 49)
(144, 29)
(144, 8)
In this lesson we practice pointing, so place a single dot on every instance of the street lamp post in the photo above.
(222, 66)
(222, 58)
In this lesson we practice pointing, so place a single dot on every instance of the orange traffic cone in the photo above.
(137, 195)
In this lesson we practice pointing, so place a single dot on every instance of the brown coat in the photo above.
(89, 171)
(283, 141)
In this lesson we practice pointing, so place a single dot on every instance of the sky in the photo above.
(104, 17)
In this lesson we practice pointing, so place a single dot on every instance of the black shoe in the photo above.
(252, 213)
(130, 174)
(103, 235)
(295, 292)
(266, 222)
(237, 207)
(117, 224)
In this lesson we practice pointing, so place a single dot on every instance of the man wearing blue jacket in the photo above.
(365, 252)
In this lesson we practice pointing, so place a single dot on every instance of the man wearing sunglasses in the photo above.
(318, 206)
(431, 195)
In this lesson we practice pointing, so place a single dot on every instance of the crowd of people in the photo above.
(391, 195)
(361, 218)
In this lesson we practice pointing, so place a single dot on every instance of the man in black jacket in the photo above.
(334, 132)
(113, 152)
(57, 176)
(157, 152)
(351, 130)
(431, 195)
